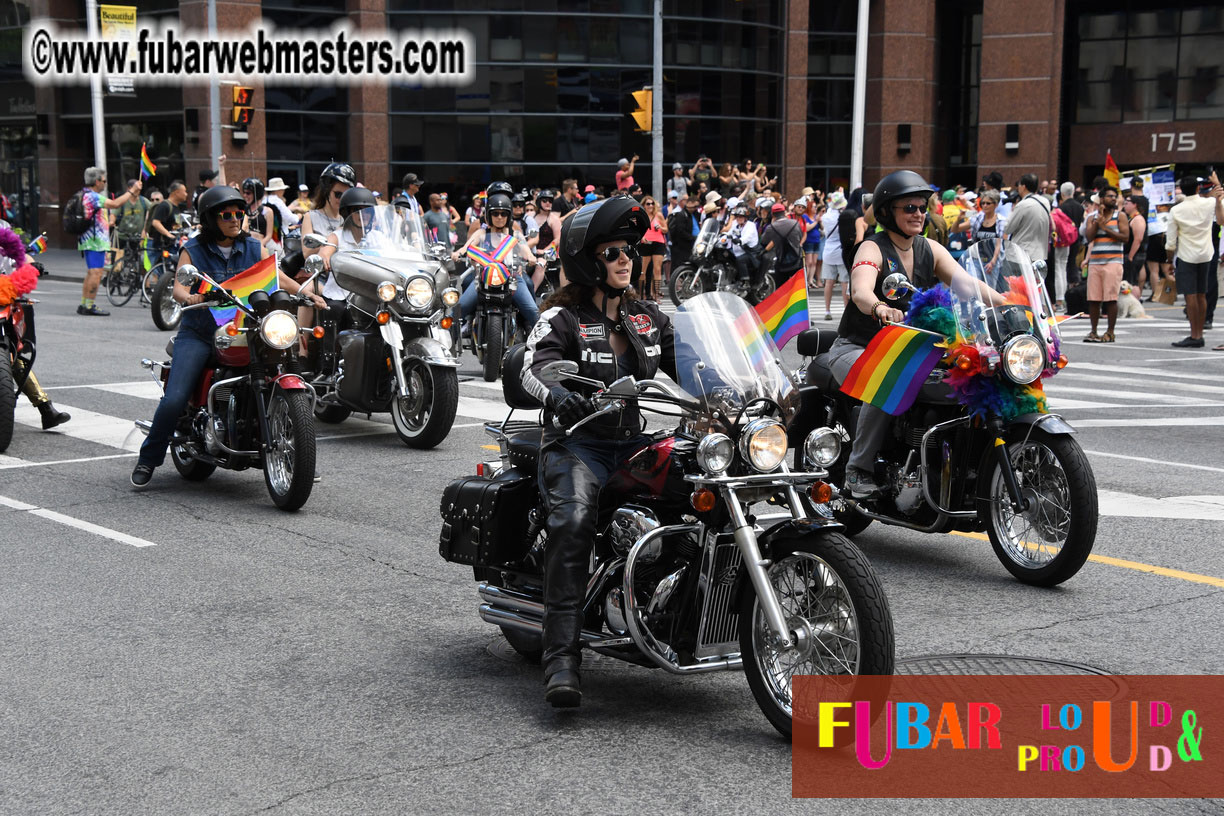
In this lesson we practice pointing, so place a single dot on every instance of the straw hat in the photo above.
(275, 184)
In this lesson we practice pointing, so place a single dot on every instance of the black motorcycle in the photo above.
(496, 324)
(977, 450)
(711, 268)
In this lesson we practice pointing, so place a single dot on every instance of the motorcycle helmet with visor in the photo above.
(338, 172)
(613, 219)
(498, 204)
(356, 201)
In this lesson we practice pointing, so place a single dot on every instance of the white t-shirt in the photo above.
(345, 242)
(831, 250)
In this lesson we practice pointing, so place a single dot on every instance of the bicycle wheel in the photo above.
(148, 282)
(122, 281)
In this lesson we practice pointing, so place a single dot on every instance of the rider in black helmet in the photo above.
(900, 205)
(597, 322)
(497, 229)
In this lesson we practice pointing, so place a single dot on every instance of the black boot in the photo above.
(562, 683)
(52, 417)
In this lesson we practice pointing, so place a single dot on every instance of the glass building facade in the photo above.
(830, 92)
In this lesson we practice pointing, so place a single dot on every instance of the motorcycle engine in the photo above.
(628, 525)
(907, 489)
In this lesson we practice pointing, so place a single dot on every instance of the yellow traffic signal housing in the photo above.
(241, 117)
(643, 115)
(243, 95)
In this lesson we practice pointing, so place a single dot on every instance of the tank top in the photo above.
(987, 232)
(545, 231)
(653, 235)
(323, 223)
(1105, 249)
(859, 328)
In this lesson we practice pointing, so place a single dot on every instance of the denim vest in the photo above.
(209, 260)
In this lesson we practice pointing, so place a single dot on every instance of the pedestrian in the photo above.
(677, 184)
(702, 173)
(1029, 224)
(624, 172)
(1159, 267)
(811, 240)
(95, 241)
(412, 185)
(302, 204)
(1189, 239)
(652, 249)
(785, 237)
(438, 222)
(130, 221)
(1107, 232)
(682, 228)
(1065, 257)
(211, 177)
(832, 267)
(1136, 208)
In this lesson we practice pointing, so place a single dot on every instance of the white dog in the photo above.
(1129, 305)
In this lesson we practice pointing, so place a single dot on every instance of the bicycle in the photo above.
(125, 276)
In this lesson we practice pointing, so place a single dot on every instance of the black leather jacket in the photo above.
(580, 333)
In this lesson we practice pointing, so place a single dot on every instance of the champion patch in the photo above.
(594, 330)
(642, 323)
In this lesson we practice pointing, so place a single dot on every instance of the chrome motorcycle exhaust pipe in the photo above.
(510, 599)
(144, 425)
(532, 625)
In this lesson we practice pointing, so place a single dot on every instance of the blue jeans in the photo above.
(524, 301)
(191, 356)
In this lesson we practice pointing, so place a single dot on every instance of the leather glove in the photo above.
(569, 407)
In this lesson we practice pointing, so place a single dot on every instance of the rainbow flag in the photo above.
(147, 167)
(38, 246)
(890, 372)
(785, 312)
(262, 275)
(751, 334)
(497, 256)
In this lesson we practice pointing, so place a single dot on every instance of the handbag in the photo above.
(1168, 291)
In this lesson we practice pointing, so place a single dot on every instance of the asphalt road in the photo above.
(198, 651)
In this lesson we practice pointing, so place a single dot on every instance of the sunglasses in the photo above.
(230, 215)
(910, 209)
(496, 213)
(613, 252)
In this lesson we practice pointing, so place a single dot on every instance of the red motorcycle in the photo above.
(16, 344)
(250, 409)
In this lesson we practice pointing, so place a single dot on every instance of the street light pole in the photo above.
(95, 88)
(860, 96)
(214, 95)
(656, 114)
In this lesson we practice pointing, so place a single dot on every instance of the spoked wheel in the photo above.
(1048, 542)
(763, 289)
(8, 400)
(123, 281)
(424, 417)
(289, 464)
(685, 283)
(837, 613)
(166, 310)
(494, 333)
(148, 282)
(190, 468)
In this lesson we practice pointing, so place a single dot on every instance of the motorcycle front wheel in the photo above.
(8, 400)
(1048, 542)
(831, 597)
(763, 289)
(289, 464)
(425, 416)
(494, 333)
(685, 283)
(166, 310)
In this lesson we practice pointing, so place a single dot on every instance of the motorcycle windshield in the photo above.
(1007, 269)
(705, 238)
(726, 359)
(389, 233)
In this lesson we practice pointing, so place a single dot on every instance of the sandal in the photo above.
(1092, 337)
(1107, 337)
(1218, 348)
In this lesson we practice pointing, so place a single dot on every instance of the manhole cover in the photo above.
(500, 648)
(961, 664)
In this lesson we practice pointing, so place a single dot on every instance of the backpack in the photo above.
(75, 222)
(787, 259)
(1065, 233)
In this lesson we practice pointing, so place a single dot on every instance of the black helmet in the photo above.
(900, 184)
(519, 200)
(338, 171)
(499, 202)
(253, 186)
(212, 200)
(597, 223)
(500, 187)
(545, 195)
(357, 198)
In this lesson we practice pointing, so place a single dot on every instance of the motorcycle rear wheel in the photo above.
(424, 418)
(850, 634)
(332, 414)
(685, 283)
(1050, 542)
(167, 312)
(494, 333)
(8, 399)
(190, 468)
(289, 464)
(764, 289)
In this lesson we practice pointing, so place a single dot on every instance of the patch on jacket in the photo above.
(642, 323)
(588, 330)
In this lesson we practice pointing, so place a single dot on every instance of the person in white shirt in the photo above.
(743, 238)
(1189, 239)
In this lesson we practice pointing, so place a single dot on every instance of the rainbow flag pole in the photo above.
(785, 312)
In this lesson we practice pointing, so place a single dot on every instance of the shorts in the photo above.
(1104, 281)
(831, 271)
(648, 249)
(1156, 248)
(1192, 277)
(811, 249)
(94, 259)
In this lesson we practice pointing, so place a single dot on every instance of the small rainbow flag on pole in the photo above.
(262, 275)
(147, 167)
(785, 312)
(38, 246)
(891, 371)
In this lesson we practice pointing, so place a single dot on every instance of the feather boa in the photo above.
(24, 277)
(12, 247)
(932, 310)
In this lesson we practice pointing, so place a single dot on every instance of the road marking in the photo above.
(145, 389)
(103, 386)
(1138, 566)
(1058, 404)
(87, 526)
(1186, 386)
(1149, 396)
(1136, 372)
(1128, 505)
(10, 462)
(1154, 461)
(87, 426)
(1155, 422)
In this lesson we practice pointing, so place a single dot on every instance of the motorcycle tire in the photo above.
(8, 399)
(167, 312)
(148, 282)
(528, 646)
(332, 414)
(494, 333)
(762, 290)
(289, 463)
(825, 562)
(122, 281)
(1054, 468)
(190, 468)
(685, 283)
(423, 419)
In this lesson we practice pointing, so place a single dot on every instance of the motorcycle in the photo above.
(17, 352)
(711, 268)
(978, 450)
(495, 320)
(552, 275)
(165, 310)
(689, 574)
(252, 409)
(390, 350)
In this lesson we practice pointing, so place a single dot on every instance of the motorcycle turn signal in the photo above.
(702, 500)
(318, 332)
(821, 492)
(384, 318)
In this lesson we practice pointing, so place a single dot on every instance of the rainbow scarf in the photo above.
(261, 276)
(785, 312)
(147, 167)
(891, 372)
(491, 265)
(38, 245)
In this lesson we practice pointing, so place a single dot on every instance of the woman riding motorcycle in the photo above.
(899, 205)
(496, 229)
(323, 218)
(597, 322)
(221, 250)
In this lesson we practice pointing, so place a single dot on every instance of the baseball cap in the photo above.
(672, 194)
(590, 188)
(589, 198)
(778, 208)
(948, 195)
(208, 175)
(677, 166)
(303, 188)
(969, 195)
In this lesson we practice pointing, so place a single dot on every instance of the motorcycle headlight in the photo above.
(450, 296)
(822, 447)
(279, 330)
(1023, 359)
(420, 292)
(763, 444)
(387, 291)
(715, 452)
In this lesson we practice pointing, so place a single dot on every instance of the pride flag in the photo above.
(147, 167)
(751, 334)
(38, 246)
(262, 275)
(785, 312)
(890, 372)
(496, 256)
(1111, 174)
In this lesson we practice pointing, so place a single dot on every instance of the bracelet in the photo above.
(876, 308)
(874, 266)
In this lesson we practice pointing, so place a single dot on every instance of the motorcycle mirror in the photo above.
(895, 286)
(557, 371)
(314, 264)
(188, 275)
(313, 240)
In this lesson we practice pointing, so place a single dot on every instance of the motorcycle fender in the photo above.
(393, 335)
(290, 382)
(431, 352)
(1050, 423)
(777, 542)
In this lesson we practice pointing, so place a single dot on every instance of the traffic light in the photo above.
(240, 116)
(643, 115)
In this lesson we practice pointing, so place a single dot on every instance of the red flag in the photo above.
(1111, 170)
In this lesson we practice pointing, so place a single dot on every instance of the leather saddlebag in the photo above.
(484, 521)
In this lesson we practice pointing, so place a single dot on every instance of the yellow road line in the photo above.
(1132, 565)
(491, 447)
